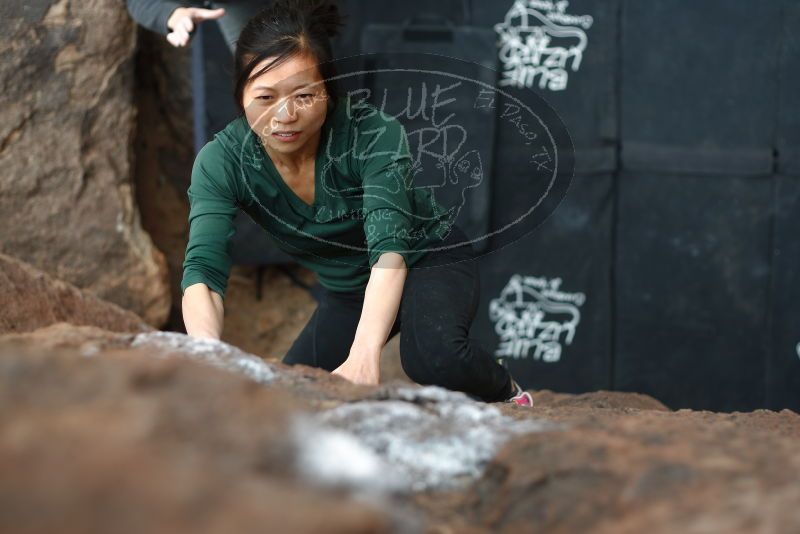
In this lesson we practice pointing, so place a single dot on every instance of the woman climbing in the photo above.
(327, 177)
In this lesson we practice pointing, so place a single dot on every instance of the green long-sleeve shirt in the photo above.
(365, 202)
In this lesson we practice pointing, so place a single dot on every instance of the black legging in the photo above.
(440, 298)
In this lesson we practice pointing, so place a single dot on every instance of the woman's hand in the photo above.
(381, 303)
(183, 20)
(360, 368)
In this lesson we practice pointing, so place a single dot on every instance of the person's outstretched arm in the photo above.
(203, 312)
(207, 262)
(384, 164)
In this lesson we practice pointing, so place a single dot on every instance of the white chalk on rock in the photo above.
(421, 438)
(210, 351)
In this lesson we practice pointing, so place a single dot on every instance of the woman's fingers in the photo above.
(183, 23)
(178, 38)
(173, 39)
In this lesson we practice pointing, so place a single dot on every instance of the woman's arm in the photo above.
(384, 164)
(207, 262)
(378, 314)
(203, 312)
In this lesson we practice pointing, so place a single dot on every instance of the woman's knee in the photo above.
(432, 358)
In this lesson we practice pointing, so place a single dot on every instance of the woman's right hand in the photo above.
(182, 23)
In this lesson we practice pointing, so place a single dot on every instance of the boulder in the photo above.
(161, 432)
(32, 300)
(67, 121)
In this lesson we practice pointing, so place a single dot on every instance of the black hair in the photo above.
(284, 29)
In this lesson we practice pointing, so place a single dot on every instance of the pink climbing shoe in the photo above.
(520, 396)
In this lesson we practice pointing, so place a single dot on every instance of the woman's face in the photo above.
(287, 105)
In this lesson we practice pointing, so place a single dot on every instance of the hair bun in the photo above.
(325, 15)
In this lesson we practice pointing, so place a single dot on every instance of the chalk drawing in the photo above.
(540, 39)
(534, 318)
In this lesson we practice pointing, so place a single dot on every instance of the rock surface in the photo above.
(165, 433)
(67, 120)
(32, 300)
(130, 443)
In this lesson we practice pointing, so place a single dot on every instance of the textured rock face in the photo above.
(32, 299)
(160, 432)
(140, 444)
(66, 125)
(651, 471)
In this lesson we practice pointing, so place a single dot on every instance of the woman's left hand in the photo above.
(360, 369)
